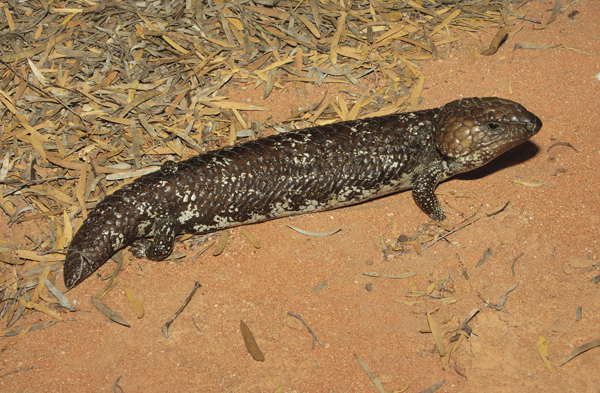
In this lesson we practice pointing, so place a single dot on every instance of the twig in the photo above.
(116, 387)
(458, 372)
(486, 255)
(450, 275)
(522, 17)
(165, 328)
(567, 144)
(502, 300)
(202, 251)
(309, 329)
(499, 211)
(17, 370)
(194, 322)
(469, 221)
(514, 262)
(467, 319)
(37, 181)
(425, 294)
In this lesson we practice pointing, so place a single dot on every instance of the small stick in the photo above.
(514, 262)
(524, 18)
(461, 226)
(17, 370)
(499, 211)
(202, 251)
(502, 300)
(194, 322)
(567, 144)
(450, 275)
(37, 181)
(309, 329)
(458, 372)
(165, 328)
(467, 319)
(425, 294)
(116, 387)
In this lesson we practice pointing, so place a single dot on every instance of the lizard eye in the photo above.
(493, 126)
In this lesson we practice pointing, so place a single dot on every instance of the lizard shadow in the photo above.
(514, 156)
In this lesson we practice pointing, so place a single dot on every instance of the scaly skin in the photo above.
(317, 168)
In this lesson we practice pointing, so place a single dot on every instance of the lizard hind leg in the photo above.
(165, 231)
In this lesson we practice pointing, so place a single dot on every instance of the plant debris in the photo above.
(542, 345)
(165, 328)
(503, 298)
(370, 373)
(17, 370)
(512, 268)
(250, 343)
(585, 347)
(250, 237)
(446, 350)
(309, 329)
(434, 387)
(108, 312)
(320, 286)
(486, 255)
(385, 275)
(316, 234)
(567, 144)
(222, 242)
(135, 302)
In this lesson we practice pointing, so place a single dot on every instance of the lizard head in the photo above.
(473, 131)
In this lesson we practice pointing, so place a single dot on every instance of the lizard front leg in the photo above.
(423, 193)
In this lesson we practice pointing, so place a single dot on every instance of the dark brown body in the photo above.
(309, 170)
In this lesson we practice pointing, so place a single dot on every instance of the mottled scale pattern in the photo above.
(313, 169)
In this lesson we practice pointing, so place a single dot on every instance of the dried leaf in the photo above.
(333, 49)
(415, 94)
(320, 286)
(542, 346)
(528, 183)
(437, 335)
(222, 242)
(370, 373)
(40, 308)
(317, 234)
(403, 275)
(15, 339)
(62, 299)
(580, 350)
(67, 231)
(434, 387)
(135, 302)
(250, 237)
(30, 328)
(498, 40)
(250, 342)
(110, 314)
(527, 45)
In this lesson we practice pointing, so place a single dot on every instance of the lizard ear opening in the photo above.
(457, 135)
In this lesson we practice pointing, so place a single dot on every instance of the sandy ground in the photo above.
(555, 226)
